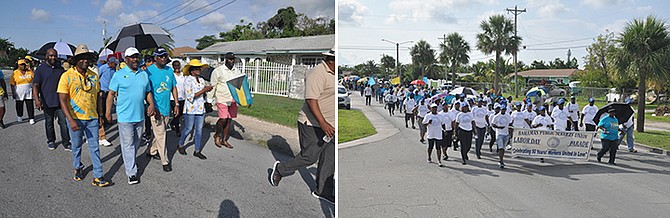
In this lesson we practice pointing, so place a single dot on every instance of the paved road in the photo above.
(391, 178)
(37, 182)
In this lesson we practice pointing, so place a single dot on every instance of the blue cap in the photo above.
(497, 106)
(541, 108)
(141, 63)
(480, 100)
(503, 101)
(503, 107)
(160, 51)
(462, 95)
(518, 104)
(592, 100)
(561, 101)
(628, 101)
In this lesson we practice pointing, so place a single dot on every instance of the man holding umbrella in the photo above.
(609, 137)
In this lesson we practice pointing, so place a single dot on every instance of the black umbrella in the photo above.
(64, 50)
(623, 112)
(140, 36)
(207, 73)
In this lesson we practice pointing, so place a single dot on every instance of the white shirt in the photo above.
(423, 110)
(447, 118)
(464, 120)
(180, 87)
(519, 119)
(391, 98)
(480, 116)
(367, 91)
(560, 118)
(544, 120)
(573, 109)
(589, 113)
(434, 129)
(409, 105)
(501, 120)
(531, 116)
(629, 123)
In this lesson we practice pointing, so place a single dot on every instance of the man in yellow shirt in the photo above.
(78, 94)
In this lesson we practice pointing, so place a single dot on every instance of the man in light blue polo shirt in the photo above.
(133, 87)
(163, 83)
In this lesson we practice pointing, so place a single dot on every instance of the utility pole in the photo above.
(397, 55)
(516, 12)
(104, 32)
(444, 38)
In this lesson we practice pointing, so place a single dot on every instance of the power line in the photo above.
(190, 12)
(560, 48)
(177, 11)
(229, 3)
(166, 10)
(560, 42)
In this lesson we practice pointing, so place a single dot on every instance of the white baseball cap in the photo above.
(433, 105)
(131, 51)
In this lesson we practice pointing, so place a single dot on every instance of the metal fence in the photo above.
(267, 77)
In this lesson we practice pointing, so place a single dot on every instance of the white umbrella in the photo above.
(469, 92)
(105, 53)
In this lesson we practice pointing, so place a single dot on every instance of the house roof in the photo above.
(179, 52)
(306, 44)
(548, 73)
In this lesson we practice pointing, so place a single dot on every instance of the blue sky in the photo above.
(548, 28)
(30, 24)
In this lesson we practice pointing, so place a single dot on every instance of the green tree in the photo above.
(423, 56)
(454, 52)
(388, 63)
(497, 37)
(206, 41)
(9, 54)
(645, 51)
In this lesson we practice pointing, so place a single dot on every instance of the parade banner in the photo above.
(552, 144)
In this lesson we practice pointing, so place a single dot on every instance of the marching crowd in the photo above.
(454, 120)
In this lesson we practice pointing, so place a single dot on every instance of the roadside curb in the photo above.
(273, 136)
(653, 149)
(383, 127)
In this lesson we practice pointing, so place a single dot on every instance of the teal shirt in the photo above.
(162, 82)
(131, 88)
(612, 126)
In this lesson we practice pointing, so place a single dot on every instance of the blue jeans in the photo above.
(628, 133)
(129, 136)
(89, 129)
(192, 121)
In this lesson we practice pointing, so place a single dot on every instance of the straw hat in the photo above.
(82, 52)
(192, 63)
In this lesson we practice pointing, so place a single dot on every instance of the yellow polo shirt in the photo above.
(83, 93)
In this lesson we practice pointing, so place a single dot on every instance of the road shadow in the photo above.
(235, 129)
(280, 149)
(228, 209)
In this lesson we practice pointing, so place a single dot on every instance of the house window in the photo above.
(310, 60)
(559, 80)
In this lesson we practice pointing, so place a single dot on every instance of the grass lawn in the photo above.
(353, 125)
(648, 116)
(658, 139)
(274, 109)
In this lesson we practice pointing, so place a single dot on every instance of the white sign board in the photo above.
(552, 144)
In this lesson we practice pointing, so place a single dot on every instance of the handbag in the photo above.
(208, 107)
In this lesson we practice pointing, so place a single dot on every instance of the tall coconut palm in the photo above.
(644, 52)
(422, 56)
(454, 53)
(497, 37)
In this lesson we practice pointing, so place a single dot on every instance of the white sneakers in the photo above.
(32, 121)
(19, 119)
(104, 142)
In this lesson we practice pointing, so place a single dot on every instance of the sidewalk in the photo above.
(383, 127)
(270, 135)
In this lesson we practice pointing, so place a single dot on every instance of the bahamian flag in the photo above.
(371, 81)
(239, 89)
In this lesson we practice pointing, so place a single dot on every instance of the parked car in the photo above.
(554, 91)
(343, 99)
(574, 87)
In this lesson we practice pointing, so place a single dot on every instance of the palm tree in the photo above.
(497, 36)
(644, 52)
(422, 56)
(454, 53)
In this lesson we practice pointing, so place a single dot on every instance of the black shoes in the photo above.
(154, 156)
(199, 155)
(167, 168)
(275, 177)
(133, 180)
(181, 150)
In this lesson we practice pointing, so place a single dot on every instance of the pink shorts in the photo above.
(226, 111)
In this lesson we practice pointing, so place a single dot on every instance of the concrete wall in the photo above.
(297, 81)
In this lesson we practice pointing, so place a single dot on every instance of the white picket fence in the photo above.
(267, 78)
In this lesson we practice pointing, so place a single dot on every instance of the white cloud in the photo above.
(124, 19)
(40, 15)
(645, 9)
(351, 11)
(485, 16)
(216, 21)
(615, 27)
(553, 9)
(95, 2)
(433, 10)
(180, 20)
(604, 3)
(111, 7)
(198, 4)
